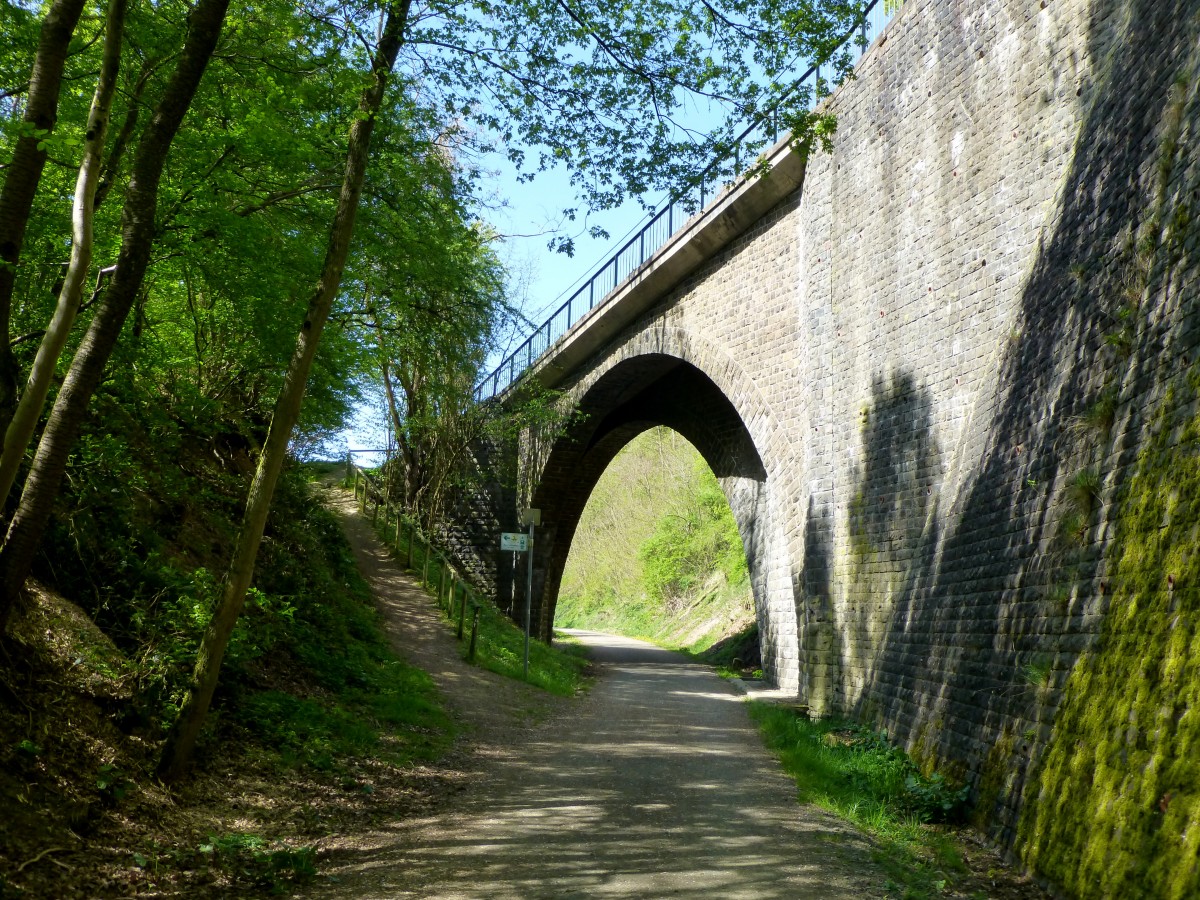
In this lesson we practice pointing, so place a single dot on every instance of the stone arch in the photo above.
(667, 376)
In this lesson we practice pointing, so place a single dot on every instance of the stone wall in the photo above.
(928, 381)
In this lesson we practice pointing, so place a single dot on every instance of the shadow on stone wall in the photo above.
(893, 532)
(1017, 588)
(821, 637)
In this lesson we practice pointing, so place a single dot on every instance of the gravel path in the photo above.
(654, 784)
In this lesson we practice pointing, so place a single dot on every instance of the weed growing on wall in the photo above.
(1115, 808)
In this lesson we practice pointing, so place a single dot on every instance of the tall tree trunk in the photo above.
(178, 749)
(25, 171)
(24, 420)
(137, 237)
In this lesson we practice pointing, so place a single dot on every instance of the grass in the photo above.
(360, 699)
(500, 644)
(856, 774)
(500, 648)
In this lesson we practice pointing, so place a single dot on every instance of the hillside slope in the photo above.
(657, 554)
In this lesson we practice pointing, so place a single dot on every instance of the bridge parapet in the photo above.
(678, 223)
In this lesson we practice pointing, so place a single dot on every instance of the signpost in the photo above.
(516, 541)
(529, 517)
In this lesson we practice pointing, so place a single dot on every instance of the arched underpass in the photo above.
(657, 555)
(639, 392)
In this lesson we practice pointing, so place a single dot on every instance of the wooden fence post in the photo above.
(462, 611)
(474, 634)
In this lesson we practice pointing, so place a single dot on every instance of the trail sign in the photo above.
(514, 540)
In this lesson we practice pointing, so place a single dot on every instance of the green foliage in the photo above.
(858, 774)
(686, 549)
(28, 749)
(590, 87)
(500, 648)
(145, 527)
(657, 553)
(112, 783)
(256, 861)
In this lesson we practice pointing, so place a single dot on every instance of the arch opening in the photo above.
(638, 393)
(657, 554)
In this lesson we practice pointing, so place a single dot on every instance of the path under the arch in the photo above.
(653, 784)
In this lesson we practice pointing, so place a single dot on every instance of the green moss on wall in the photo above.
(1114, 810)
(993, 776)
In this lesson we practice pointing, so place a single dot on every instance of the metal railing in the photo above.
(661, 225)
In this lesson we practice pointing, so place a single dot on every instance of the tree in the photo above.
(29, 408)
(182, 739)
(25, 171)
(431, 297)
(138, 222)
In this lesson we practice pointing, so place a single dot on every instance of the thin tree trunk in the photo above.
(23, 174)
(24, 421)
(405, 457)
(137, 237)
(178, 749)
(112, 164)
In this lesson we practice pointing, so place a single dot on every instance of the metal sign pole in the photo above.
(528, 595)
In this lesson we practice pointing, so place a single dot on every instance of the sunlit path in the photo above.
(656, 785)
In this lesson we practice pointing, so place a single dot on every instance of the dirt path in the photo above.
(654, 784)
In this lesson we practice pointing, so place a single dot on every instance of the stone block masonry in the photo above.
(947, 384)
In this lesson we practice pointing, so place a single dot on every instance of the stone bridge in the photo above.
(926, 367)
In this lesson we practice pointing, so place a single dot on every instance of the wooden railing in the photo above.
(454, 594)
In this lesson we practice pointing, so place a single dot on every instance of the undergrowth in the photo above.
(557, 668)
(310, 691)
(858, 775)
(499, 643)
(246, 859)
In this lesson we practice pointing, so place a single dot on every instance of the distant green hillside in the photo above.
(657, 553)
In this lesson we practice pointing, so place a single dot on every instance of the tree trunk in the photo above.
(25, 171)
(24, 420)
(178, 749)
(137, 236)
